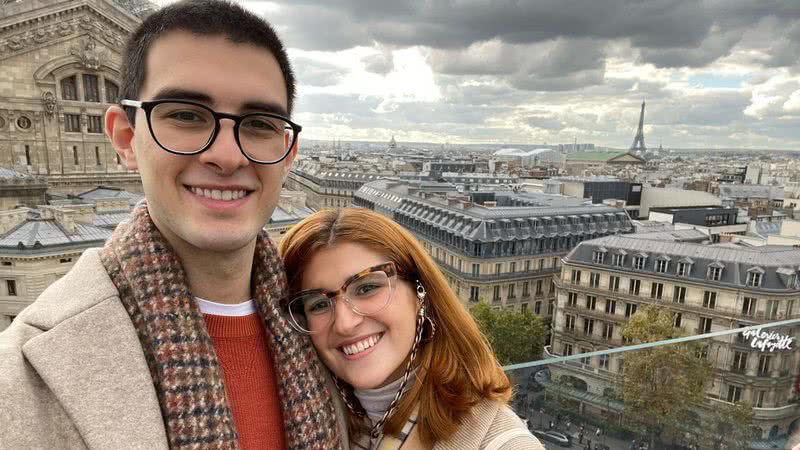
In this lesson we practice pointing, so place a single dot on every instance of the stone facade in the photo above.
(61, 63)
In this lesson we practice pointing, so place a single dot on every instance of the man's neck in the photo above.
(221, 278)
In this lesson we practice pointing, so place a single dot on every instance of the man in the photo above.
(170, 336)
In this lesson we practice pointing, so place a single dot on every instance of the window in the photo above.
(598, 257)
(586, 359)
(604, 362)
(613, 283)
(550, 307)
(511, 290)
(749, 306)
(591, 302)
(638, 262)
(537, 307)
(552, 287)
(75, 159)
(539, 287)
(512, 267)
(525, 289)
(72, 123)
(569, 323)
(567, 349)
(94, 124)
(11, 287)
(630, 309)
(633, 287)
(734, 394)
(683, 269)
(541, 264)
(112, 92)
(709, 299)
(662, 265)
(656, 290)
(763, 365)
(676, 319)
(588, 327)
(575, 277)
(116, 157)
(705, 325)
(498, 268)
(523, 308)
(496, 294)
(679, 294)
(611, 306)
(572, 299)
(594, 280)
(753, 279)
(476, 269)
(714, 273)
(789, 308)
(69, 90)
(618, 260)
(702, 352)
(473, 293)
(27, 155)
(608, 330)
(528, 265)
(772, 309)
(760, 395)
(91, 89)
(739, 362)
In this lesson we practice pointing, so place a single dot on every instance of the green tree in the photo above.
(727, 427)
(515, 336)
(660, 384)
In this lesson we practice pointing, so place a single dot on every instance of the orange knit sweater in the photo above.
(241, 345)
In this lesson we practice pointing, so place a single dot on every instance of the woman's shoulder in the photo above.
(491, 425)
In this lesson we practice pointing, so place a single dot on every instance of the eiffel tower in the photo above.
(638, 140)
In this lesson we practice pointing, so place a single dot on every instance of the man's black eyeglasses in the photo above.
(183, 127)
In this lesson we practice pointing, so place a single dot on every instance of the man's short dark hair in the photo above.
(202, 17)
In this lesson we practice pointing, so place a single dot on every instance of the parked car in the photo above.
(554, 437)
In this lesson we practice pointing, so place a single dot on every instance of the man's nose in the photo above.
(224, 154)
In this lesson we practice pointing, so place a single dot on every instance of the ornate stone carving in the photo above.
(91, 57)
(49, 103)
(64, 28)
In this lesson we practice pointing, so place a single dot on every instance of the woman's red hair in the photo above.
(456, 368)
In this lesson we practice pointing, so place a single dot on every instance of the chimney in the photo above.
(11, 218)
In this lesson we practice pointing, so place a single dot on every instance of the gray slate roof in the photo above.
(736, 261)
(42, 234)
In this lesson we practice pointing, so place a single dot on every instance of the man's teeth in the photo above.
(219, 195)
(362, 345)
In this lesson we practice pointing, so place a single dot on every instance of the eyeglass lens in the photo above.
(185, 128)
(365, 295)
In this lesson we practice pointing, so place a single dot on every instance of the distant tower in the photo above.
(392, 144)
(638, 140)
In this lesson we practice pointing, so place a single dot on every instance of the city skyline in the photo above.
(713, 75)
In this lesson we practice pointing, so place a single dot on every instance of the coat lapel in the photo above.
(94, 365)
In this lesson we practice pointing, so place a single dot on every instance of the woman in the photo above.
(409, 360)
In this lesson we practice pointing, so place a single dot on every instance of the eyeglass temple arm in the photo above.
(133, 103)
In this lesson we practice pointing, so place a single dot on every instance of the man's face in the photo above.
(228, 77)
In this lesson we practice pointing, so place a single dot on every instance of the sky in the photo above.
(714, 73)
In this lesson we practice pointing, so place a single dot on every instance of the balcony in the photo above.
(520, 275)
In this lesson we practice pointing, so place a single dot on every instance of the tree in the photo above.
(661, 384)
(728, 427)
(515, 336)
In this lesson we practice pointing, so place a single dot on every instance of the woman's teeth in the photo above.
(362, 345)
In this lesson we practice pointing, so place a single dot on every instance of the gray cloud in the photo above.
(315, 73)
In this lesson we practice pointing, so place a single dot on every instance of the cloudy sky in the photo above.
(714, 73)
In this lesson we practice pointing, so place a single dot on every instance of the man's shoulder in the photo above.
(83, 287)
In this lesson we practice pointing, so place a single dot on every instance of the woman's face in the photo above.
(365, 351)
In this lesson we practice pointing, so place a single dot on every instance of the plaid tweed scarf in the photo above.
(186, 373)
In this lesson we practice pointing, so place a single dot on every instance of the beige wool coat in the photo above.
(73, 374)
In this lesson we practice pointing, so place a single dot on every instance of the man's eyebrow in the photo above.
(250, 106)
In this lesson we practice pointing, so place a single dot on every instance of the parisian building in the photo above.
(707, 288)
(60, 64)
(498, 247)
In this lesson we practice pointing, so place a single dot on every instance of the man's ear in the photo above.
(287, 163)
(120, 132)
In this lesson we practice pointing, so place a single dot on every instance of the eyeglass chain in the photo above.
(377, 429)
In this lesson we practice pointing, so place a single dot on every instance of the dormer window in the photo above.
(599, 255)
(618, 259)
(639, 262)
(662, 264)
(684, 267)
(754, 277)
(715, 271)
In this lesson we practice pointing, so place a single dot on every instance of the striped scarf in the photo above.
(183, 364)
